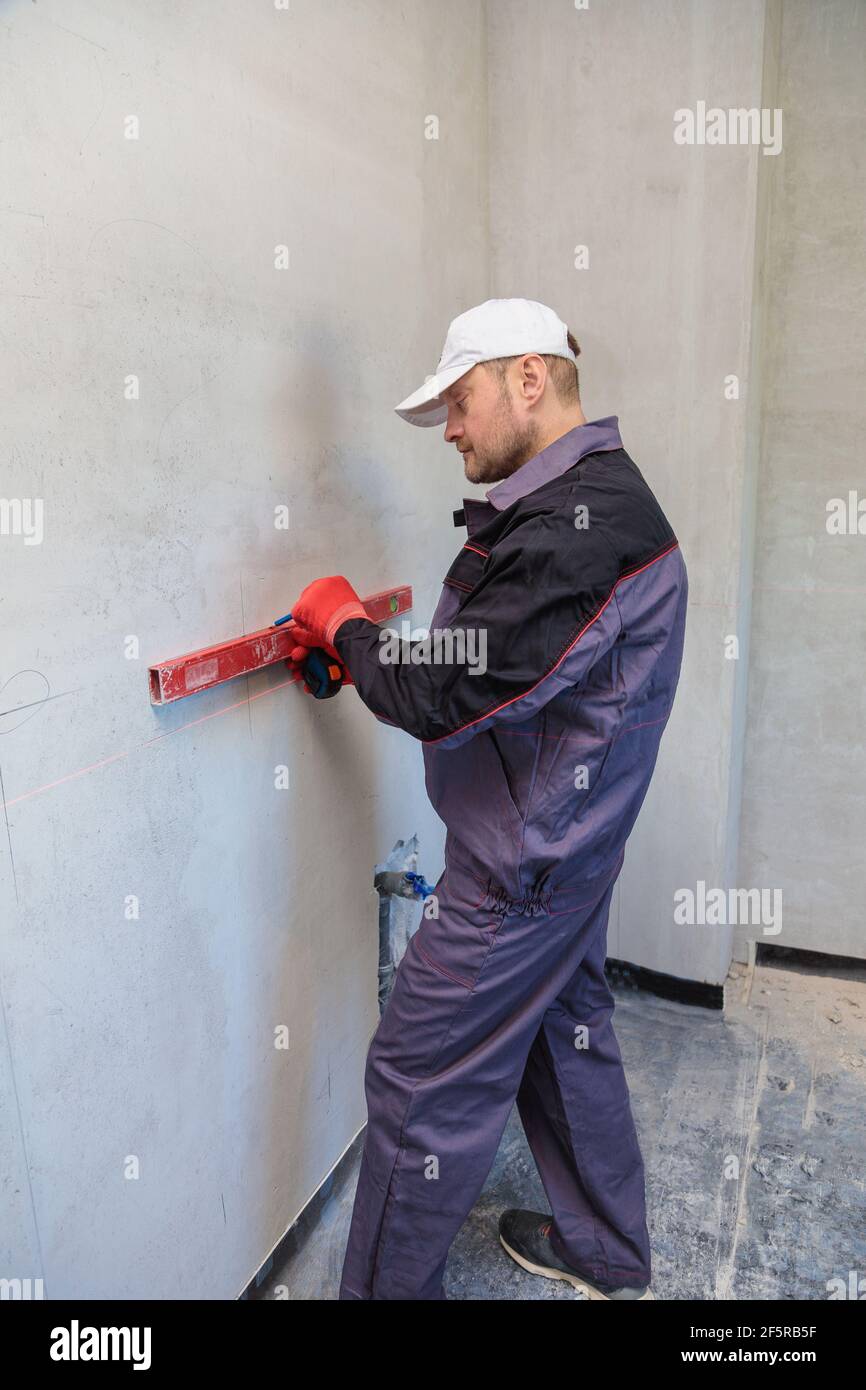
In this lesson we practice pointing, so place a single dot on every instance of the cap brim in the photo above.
(424, 407)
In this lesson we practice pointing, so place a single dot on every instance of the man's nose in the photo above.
(453, 428)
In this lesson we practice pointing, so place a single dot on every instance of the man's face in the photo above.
(493, 436)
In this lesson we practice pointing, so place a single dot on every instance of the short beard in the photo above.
(510, 448)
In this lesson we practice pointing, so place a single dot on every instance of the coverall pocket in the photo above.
(457, 941)
(506, 776)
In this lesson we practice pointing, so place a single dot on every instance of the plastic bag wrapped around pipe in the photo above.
(401, 889)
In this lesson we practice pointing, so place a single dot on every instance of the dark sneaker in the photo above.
(526, 1237)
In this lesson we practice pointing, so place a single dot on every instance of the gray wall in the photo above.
(155, 257)
(705, 262)
(584, 155)
(804, 804)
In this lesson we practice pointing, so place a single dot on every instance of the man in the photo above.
(572, 581)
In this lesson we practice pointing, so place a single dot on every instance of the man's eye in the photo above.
(462, 405)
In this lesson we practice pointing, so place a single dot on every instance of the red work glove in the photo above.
(316, 616)
(324, 605)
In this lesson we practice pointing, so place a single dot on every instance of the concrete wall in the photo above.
(804, 805)
(582, 154)
(155, 257)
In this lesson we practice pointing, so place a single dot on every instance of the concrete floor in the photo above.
(777, 1081)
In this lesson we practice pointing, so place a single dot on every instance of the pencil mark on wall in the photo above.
(150, 742)
(39, 690)
(101, 108)
(9, 837)
(202, 384)
(76, 35)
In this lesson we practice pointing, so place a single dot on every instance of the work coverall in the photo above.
(538, 766)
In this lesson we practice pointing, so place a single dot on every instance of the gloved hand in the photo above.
(324, 605)
(305, 641)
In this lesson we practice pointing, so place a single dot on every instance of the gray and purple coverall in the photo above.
(538, 765)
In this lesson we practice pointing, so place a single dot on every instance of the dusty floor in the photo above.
(775, 1085)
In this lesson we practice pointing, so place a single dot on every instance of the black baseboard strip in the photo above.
(699, 992)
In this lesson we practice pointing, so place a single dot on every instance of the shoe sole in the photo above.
(574, 1279)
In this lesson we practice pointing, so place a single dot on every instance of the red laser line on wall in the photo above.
(379, 606)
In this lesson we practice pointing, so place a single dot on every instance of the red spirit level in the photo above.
(187, 675)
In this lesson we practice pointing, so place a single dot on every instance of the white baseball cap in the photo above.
(496, 328)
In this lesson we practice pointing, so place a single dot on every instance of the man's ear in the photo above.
(533, 370)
